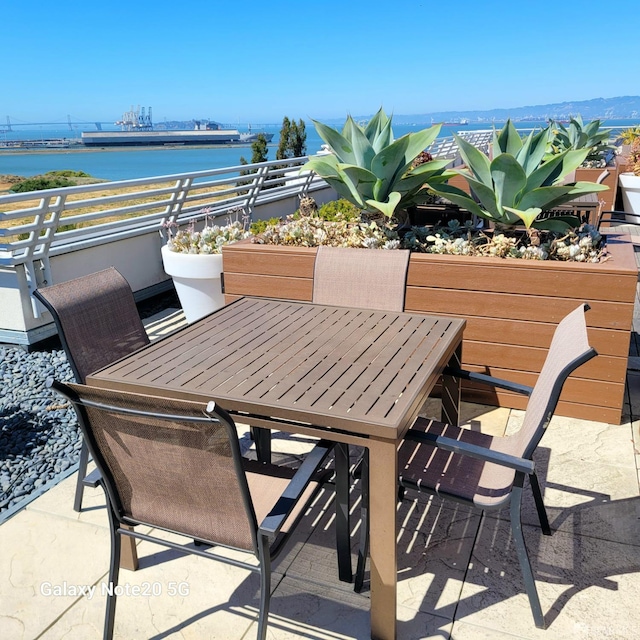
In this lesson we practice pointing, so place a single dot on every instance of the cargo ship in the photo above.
(137, 130)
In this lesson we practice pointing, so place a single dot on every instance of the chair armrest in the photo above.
(472, 450)
(274, 520)
(93, 479)
(488, 380)
(618, 218)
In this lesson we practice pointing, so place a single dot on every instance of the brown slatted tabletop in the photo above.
(351, 375)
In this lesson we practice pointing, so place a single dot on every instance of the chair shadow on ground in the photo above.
(442, 544)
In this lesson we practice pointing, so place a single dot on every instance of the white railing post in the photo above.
(256, 188)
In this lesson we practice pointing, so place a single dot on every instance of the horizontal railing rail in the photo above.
(36, 224)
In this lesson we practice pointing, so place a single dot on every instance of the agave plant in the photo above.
(579, 136)
(371, 169)
(520, 182)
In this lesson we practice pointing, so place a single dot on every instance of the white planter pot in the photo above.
(197, 278)
(630, 186)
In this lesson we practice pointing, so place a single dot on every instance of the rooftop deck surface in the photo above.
(458, 573)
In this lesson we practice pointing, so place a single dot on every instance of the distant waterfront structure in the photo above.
(137, 131)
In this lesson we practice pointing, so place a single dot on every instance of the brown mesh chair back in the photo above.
(97, 319)
(98, 323)
(569, 349)
(360, 278)
(177, 474)
(177, 466)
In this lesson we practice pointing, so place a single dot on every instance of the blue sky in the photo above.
(254, 61)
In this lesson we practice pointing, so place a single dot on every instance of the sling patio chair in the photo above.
(98, 323)
(347, 277)
(176, 466)
(488, 472)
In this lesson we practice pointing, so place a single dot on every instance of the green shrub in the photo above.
(259, 226)
(39, 183)
(339, 209)
(68, 173)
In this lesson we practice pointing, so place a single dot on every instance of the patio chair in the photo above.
(360, 278)
(371, 280)
(347, 277)
(488, 472)
(98, 323)
(176, 466)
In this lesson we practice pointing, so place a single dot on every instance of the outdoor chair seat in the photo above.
(488, 472)
(176, 465)
(452, 475)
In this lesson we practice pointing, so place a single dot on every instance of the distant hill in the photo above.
(624, 107)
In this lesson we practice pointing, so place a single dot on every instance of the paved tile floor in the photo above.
(458, 573)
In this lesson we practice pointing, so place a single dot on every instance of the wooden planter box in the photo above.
(511, 308)
(591, 175)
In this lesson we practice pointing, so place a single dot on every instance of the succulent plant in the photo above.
(371, 169)
(580, 136)
(520, 181)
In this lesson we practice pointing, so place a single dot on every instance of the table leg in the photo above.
(451, 391)
(383, 496)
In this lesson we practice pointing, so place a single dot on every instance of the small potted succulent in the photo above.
(193, 258)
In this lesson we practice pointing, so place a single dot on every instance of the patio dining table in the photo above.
(354, 376)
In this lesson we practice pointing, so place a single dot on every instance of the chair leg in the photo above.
(523, 556)
(343, 545)
(114, 570)
(82, 472)
(542, 512)
(363, 551)
(264, 555)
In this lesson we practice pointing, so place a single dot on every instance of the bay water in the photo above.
(131, 163)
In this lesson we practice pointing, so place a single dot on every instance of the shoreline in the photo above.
(75, 149)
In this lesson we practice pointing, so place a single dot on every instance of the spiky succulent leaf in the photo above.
(476, 161)
(340, 145)
(572, 160)
(378, 130)
(419, 141)
(533, 151)
(387, 208)
(557, 223)
(546, 172)
(578, 189)
(527, 216)
(361, 179)
(542, 196)
(508, 139)
(362, 150)
(509, 179)
(328, 168)
(389, 165)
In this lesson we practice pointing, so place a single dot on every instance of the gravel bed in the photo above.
(39, 435)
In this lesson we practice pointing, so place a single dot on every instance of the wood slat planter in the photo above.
(511, 308)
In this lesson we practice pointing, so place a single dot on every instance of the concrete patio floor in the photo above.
(458, 573)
